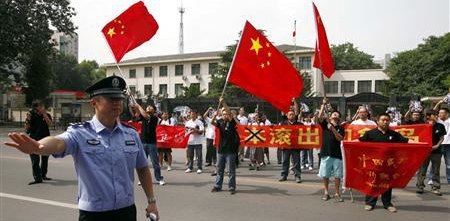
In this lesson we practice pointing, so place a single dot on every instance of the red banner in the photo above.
(415, 133)
(372, 168)
(171, 137)
(284, 136)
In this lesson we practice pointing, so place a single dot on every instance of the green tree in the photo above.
(348, 57)
(25, 34)
(423, 70)
(69, 75)
(37, 87)
(192, 91)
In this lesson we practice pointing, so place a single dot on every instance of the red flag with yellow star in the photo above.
(129, 30)
(323, 59)
(260, 69)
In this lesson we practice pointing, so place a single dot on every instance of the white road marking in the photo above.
(37, 200)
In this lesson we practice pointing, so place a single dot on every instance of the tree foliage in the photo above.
(67, 74)
(192, 91)
(348, 57)
(25, 39)
(424, 70)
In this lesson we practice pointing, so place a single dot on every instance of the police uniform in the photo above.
(104, 159)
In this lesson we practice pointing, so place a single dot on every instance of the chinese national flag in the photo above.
(373, 168)
(129, 30)
(322, 55)
(260, 69)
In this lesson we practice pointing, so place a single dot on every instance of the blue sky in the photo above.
(374, 26)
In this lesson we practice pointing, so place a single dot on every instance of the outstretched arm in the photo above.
(46, 146)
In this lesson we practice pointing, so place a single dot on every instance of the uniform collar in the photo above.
(98, 126)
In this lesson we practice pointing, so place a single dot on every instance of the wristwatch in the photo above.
(151, 200)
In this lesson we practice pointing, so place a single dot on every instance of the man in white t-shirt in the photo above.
(195, 128)
(211, 155)
(363, 117)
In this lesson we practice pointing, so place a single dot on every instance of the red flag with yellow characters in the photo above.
(260, 69)
(373, 168)
(129, 30)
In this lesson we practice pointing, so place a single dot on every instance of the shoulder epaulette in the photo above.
(79, 124)
(126, 125)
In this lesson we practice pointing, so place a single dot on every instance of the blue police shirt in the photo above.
(104, 162)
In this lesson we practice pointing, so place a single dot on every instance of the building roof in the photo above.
(193, 56)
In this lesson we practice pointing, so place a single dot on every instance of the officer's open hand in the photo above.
(23, 143)
(151, 208)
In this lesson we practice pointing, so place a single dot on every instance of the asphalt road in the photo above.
(187, 196)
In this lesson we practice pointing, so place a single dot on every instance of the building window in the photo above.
(178, 90)
(347, 87)
(132, 73)
(162, 89)
(380, 86)
(364, 86)
(163, 71)
(148, 72)
(331, 87)
(148, 90)
(213, 68)
(132, 89)
(195, 69)
(304, 62)
(179, 70)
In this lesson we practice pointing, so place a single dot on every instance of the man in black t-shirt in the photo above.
(382, 134)
(330, 153)
(37, 124)
(438, 133)
(228, 147)
(290, 152)
(148, 137)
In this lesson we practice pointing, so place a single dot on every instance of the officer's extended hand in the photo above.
(23, 143)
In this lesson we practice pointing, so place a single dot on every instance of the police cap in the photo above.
(112, 86)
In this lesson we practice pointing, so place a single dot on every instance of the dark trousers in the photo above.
(127, 213)
(287, 154)
(385, 198)
(198, 153)
(435, 159)
(230, 160)
(211, 155)
(39, 164)
(279, 155)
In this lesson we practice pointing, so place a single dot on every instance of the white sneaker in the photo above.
(162, 182)
(169, 168)
(188, 170)
(430, 182)
(199, 171)
(139, 184)
(310, 168)
(302, 167)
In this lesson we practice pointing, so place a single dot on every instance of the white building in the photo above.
(166, 75)
(66, 44)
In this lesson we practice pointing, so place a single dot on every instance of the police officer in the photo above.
(105, 153)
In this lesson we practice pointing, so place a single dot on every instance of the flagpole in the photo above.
(232, 62)
(320, 60)
(231, 65)
(295, 43)
(128, 91)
